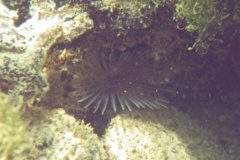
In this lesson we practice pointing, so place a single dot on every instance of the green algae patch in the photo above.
(12, 135)
(204, 19)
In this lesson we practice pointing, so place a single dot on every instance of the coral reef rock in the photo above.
(23, 48)
(55, 135)
(165, 134)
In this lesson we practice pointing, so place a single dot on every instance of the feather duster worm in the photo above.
(122, 80)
